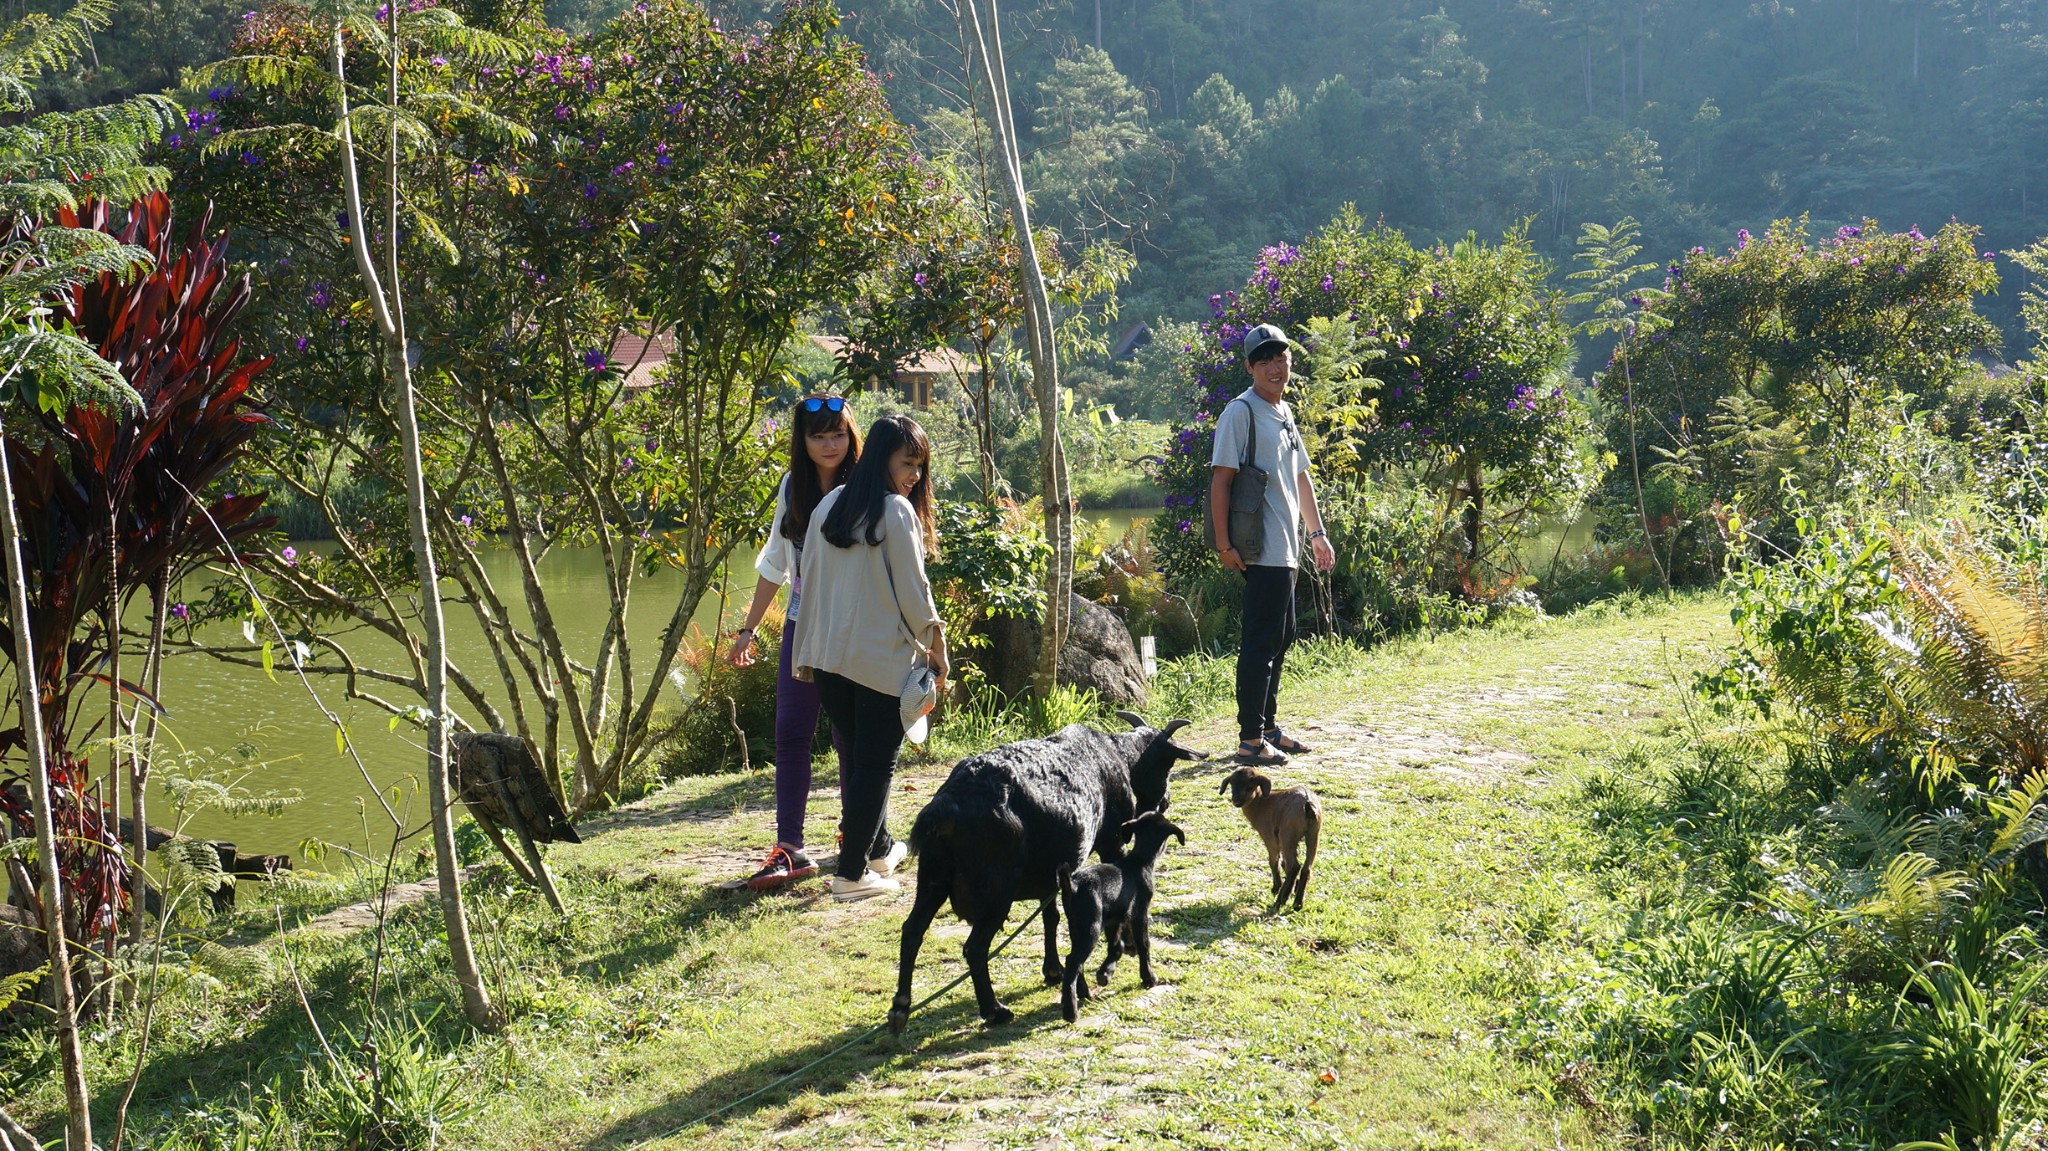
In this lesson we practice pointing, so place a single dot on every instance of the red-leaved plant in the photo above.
(114, 501)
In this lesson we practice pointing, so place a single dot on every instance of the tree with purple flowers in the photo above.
(1467, 349)
(670, 189)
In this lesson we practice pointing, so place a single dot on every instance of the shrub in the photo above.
(730, 720)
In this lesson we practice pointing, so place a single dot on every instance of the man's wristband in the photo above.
(1318, 534)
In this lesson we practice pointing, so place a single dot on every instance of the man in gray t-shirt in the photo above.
(1268, 576)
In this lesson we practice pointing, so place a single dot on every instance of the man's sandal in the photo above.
(1257, 753)
(1287, 743)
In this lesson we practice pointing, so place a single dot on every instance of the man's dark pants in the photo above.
(1268, 631)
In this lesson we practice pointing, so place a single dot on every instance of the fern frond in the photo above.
(237, 966)
(65, 369)
(312, 142)
(292, 73)
(192, 863)
(485, 123)
(13, 987)
(375, 122)
(40, 43)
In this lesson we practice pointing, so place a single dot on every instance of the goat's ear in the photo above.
(1131, 717)
(1128, 829)
(1262, 785)
(1178, 833)
(1225, 785)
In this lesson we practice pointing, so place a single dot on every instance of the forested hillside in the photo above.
(1196, 131)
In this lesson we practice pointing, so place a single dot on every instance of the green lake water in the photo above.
(216, 705)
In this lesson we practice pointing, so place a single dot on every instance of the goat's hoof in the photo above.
(898, 1017)
(1068, 1010)
(1054, 975)
(998, 1016)
(1149, 982)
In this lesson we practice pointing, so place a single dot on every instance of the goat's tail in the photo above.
(1312, 832)
(936, 821)
(1066, 878)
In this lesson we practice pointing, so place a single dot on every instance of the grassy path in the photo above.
(1456, 869)
(1451, 869)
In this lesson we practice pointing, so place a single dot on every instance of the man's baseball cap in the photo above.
(1260, 336)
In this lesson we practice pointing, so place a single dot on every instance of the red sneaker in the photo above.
(784, 865)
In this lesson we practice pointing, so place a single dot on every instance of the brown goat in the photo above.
(1285, 820)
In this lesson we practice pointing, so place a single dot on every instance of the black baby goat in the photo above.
(1113, 899)
(1006, 821)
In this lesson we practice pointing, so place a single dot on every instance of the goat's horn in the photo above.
(1132, 718)
(1173, 726)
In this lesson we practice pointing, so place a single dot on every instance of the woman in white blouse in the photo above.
(868, 625)
(823, 447)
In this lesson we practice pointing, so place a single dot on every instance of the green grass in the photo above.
(1457, 870)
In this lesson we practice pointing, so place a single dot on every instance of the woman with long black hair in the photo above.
(868, 627)
(823, 448)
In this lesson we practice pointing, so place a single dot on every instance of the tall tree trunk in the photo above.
(77, 1096)
(1038, 326)
(476, 1001)
(139, 754)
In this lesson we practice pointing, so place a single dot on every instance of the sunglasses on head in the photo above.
(824, 403)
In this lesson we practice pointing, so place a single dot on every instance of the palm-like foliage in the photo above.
(1969, 671)
(49, 163)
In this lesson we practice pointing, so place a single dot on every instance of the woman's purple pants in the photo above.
(796, 725)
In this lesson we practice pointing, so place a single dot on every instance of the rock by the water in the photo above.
(21, 942)
(1098, 656)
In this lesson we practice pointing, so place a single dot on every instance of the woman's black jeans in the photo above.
(870, 727)
(1268, 632)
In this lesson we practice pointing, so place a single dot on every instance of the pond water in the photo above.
(218, 706)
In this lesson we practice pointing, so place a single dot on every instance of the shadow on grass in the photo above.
(656, 938)
(744, 789)
(937, 1033)
(1203, 924)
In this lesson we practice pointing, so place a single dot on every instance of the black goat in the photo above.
(1006, 821)
(1113, 899)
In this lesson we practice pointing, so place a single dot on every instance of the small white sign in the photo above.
(1149, 652)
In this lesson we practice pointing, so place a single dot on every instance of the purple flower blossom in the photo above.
(299, 345)
(251, 159)
(322, 296)
(1991, 255)
(561, 112)
(290, 556)
(1329, 283)
(180, 611)
(919, 279)
(442, 62)
(775, 237)
(1914, 232)
(1741, 238)
(589, 190)
(1848, 232)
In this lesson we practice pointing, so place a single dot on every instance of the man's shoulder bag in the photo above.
(1247, 513)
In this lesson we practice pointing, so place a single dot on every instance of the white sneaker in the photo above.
(886, 865)
(869, 884)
